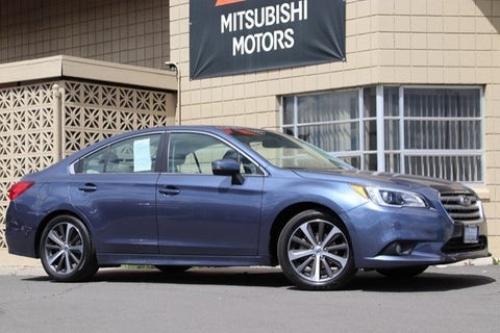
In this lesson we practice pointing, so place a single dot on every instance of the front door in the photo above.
(203, 214)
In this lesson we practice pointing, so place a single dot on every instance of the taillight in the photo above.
(19, 188)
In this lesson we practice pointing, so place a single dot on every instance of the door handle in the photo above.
(89, 187)
(169, 190)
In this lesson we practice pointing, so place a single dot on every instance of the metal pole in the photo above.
(57, 93)
(179, 94)
(173, 66)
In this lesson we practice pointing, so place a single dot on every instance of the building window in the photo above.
(427, 131)
(335, 128)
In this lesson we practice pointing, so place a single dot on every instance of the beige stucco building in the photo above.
(419, 91)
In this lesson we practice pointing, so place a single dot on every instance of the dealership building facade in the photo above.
(416, 89)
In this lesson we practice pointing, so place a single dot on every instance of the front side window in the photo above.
(434, 132)
(193, 153)
(136, 155)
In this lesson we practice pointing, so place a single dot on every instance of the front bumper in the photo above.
(428, 236)
(422, 258)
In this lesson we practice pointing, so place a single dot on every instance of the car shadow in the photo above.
(273, 278)
(426, 282)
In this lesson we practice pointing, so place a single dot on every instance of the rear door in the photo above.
(203, 214)
(115, 188)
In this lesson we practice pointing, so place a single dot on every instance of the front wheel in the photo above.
(315, 253)
(402, 272)
(66, 250)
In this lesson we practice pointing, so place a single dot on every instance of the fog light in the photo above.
(399, 248)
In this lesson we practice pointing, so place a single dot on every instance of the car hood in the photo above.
(367, 178)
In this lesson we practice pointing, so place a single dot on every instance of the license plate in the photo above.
(471, 234)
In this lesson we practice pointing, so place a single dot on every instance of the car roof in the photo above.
(220, 130)
(217, 129)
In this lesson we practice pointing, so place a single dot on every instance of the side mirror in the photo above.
(229, 168)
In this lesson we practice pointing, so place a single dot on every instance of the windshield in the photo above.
(287, 152)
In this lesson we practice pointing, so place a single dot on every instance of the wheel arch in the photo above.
(49, 217)
(290, 211)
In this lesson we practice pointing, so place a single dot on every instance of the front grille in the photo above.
(462, 206)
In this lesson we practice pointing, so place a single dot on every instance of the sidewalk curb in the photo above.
(10, 260)
(471, 262)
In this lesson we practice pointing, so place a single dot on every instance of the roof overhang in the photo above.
(81, 68)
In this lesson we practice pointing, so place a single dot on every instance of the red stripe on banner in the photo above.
(226, 2)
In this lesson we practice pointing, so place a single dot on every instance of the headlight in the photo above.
(390, 198)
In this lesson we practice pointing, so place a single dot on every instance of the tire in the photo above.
(327, 247)
(65, 240)
(402, 272)
(167, 269)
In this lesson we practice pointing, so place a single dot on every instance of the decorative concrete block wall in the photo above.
(27, 136)
(39, 123)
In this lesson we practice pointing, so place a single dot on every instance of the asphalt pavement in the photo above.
(453, 299)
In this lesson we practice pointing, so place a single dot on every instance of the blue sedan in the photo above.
(179, 197)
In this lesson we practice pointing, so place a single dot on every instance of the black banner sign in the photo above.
(241, 36)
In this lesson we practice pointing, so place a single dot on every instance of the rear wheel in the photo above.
(402, 272)
(66, 250)
(172, 269)
(314, 252)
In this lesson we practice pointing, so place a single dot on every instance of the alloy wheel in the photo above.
(318, 251)
(64, 248)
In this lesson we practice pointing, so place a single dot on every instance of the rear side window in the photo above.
(136, 155)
